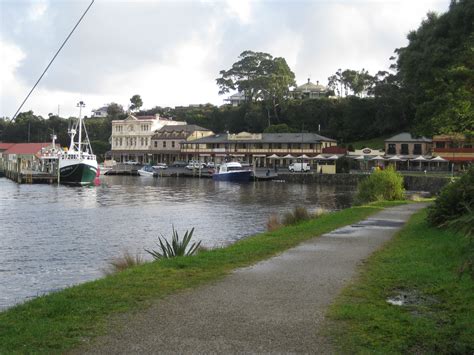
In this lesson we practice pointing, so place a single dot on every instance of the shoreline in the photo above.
(62, 320)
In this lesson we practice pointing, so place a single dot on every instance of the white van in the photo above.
(299, 167)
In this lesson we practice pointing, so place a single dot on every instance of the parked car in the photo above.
(195, 165)
(160, 166)
(210, 164)
(299, 167)
(178, 164)
(132, 162)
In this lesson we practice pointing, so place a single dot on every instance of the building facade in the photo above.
(455, 148)
(131, 138)
(309, 91)
(408, 146)
(167, 142)
(259, 149)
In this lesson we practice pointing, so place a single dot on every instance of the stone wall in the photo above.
(412, 183)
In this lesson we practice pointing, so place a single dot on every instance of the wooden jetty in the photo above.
(31, 177)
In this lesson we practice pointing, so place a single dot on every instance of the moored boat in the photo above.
(232, 171)
(78, 165)
(146, 170)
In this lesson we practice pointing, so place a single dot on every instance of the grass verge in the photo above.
(422, 264)
(61, 321)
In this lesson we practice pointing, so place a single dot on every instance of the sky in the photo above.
(171, 52)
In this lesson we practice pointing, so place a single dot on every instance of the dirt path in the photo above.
(275, 306)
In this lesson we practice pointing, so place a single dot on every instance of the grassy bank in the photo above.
(421, 264)
(62, 320)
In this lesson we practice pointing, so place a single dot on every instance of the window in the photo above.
(417, 149)
(392, 149)
(440, 145)
(404, 150)
(156, 144)
(164, 144)
(173, 144)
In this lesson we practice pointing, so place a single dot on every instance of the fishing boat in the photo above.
(232, 171)
(78, 165)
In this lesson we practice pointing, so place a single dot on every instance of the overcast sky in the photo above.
(171, 52)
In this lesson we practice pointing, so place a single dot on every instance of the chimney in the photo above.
(317, 82)
(308, 80)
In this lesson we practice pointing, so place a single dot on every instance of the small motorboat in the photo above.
(147, 170)
(232, 171)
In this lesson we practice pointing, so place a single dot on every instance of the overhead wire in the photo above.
(52, 60)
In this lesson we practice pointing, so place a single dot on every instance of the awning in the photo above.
(360, 157)
(288, 156)
(303, 156)
(273, 156)
(395, 158)
(333, 157)
(439, 159)
(378, 157)
(259, 155)
(420, 158)
(319, 157)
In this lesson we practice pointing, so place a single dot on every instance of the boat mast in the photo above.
(79, 148)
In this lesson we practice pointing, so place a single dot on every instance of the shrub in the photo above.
(454, 200)
(123, 262)
(273, 223)
(381, 185)
(299, 214)
(176, 248)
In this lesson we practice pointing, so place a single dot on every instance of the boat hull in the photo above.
(78, 173)
(233, 176)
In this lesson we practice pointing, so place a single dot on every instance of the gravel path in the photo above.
(275, 306)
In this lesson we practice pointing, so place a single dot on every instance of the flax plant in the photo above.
(176, 248)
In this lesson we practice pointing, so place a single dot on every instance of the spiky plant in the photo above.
(176, 248)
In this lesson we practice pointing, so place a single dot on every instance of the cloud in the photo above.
(171, 52)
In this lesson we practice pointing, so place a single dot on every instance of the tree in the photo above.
(136, 103)
(261, 78)
(437, 68)
(114, 111)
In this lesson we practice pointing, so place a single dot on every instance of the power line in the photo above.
(52, 60)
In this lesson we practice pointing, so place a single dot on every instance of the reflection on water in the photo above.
(55, 236)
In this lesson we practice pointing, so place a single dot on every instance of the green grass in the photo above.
(61, 321)
(373, 143)
(420, 260)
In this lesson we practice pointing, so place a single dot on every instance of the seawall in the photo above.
(430, 184)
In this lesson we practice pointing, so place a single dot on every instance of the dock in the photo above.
(31, 177)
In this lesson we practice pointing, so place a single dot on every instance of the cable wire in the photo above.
(52, 60)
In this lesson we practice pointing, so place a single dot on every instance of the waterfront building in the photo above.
(167, 142)
(455, 148)
(260, 149)
(309, 91)
(131, 138)
(404, 144)
(23, 157)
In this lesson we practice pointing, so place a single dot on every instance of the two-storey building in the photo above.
(167, 142)
(131, 138)
(261, 149)
(404, 144)
(455, 148)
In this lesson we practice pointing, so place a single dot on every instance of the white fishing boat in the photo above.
(78, 165)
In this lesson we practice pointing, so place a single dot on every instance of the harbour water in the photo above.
(52, 237)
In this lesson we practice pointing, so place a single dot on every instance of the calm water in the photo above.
(52, 237)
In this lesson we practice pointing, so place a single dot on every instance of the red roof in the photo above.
(5, 146)
(26, 148)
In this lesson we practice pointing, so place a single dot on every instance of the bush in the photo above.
(384, 185)
(273, 223)
(299, 214)
(123, 262)
(176, 248)
(454, 200)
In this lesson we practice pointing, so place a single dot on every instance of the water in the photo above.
(53, 236)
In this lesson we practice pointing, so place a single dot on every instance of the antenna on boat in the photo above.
(52, 60)
(80, 104)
